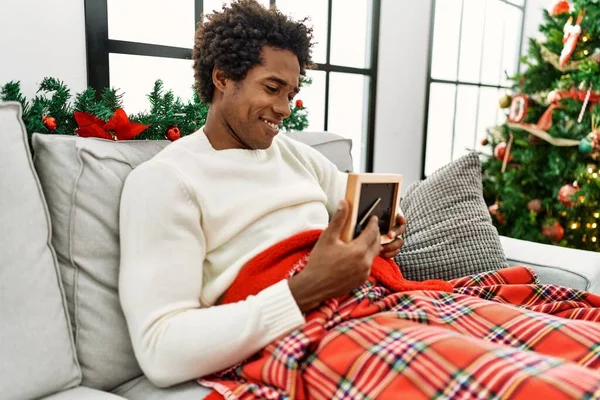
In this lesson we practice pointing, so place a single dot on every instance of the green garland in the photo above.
(53, 99)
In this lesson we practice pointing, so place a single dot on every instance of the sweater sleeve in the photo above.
(160, 283)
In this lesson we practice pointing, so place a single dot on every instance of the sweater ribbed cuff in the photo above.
(280, 311)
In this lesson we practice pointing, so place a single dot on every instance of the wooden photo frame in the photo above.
(371, 194)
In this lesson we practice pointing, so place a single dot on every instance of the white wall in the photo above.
(401, 87)
(533, 19)
(40, 38)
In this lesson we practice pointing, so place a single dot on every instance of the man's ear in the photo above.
(219, 79)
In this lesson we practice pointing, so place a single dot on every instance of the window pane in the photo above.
(464, 124)
(512, 38)
(348, 96)
(471, 40)
(493, 42)
(135, 76)
(439, 127)
(488, 113)
(316, 10)
(313, 97)
(209, 6)
(445, 39)
(350, 32)
(152, 21)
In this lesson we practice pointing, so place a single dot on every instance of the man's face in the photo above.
(254, 108)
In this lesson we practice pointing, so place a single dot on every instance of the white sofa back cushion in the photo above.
(82, 180)
(37, 357)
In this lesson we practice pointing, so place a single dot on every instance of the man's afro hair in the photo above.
(232, 40)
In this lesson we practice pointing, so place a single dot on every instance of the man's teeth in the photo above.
(272, 125)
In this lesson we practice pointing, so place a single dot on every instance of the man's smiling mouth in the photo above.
(272, 125)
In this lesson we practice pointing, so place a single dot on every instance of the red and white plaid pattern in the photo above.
(500, 335)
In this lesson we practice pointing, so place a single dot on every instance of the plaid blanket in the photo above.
(498, 335)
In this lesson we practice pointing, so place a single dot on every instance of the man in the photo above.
(193, 216)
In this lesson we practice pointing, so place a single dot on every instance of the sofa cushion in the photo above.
(37, 357)
(577, 269)
(142, 389)
(336, 148)
(449, 231)
(82, 180)
(83, 393)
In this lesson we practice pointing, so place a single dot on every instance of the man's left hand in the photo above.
(389, 250)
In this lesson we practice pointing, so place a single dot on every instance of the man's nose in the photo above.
(282, 107)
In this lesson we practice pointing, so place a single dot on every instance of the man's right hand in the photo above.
(334, 267)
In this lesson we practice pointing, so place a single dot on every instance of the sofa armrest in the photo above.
(556, 265)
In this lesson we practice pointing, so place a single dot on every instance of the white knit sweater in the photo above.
(190, 219)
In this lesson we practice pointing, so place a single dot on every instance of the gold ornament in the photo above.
(505, 101)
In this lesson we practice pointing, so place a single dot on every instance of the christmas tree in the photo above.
(54, 111)
(542, 183)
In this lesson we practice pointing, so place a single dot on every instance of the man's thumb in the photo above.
(339, 218)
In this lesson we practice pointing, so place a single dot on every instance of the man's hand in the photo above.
(334, 267)
(389, 250)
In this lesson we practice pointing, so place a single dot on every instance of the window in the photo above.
(132, 43)
(476, 45)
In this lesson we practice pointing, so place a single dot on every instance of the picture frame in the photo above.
(371, 194)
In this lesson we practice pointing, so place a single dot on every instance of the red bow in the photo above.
(117, 128)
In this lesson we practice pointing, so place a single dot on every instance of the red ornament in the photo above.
(173, 133)
(535, 205)
(117, 128)
(518, 108)
(553, 230)
(500, 217)
(561, 7)
(494, 209)
(49, 123)
(500, 152)
(566, 194)
(299, 103)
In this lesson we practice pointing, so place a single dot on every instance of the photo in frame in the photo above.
(371, 194)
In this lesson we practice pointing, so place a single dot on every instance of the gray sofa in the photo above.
(63, 335)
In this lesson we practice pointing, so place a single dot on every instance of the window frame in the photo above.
(458, 82)
(99, 46)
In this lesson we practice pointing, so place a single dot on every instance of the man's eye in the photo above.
(271, 89)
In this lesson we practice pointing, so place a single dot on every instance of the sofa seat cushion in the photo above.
(142, 389)
(577, 269)
(83, 393)
(37, 356)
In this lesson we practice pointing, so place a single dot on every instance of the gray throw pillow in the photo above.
(449, 231)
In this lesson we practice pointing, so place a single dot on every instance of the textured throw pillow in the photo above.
(449, 230)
